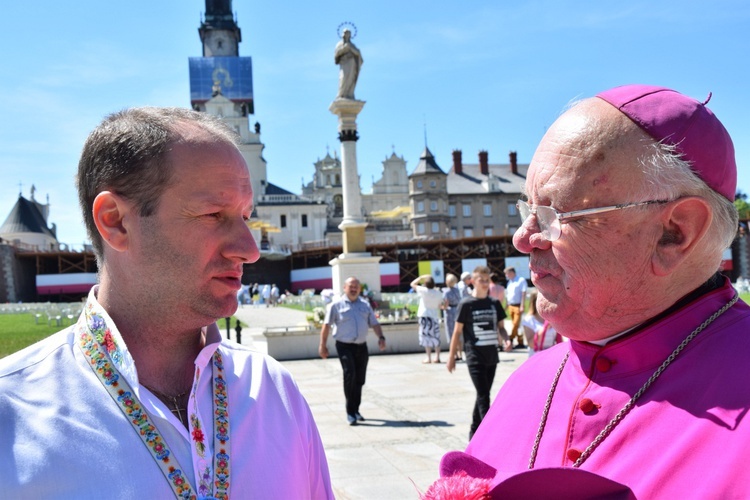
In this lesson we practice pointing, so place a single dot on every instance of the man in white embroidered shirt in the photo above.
(142, 398)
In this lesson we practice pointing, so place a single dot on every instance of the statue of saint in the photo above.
(349, 58)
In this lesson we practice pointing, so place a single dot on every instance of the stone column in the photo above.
(355, 261)
(353, 225)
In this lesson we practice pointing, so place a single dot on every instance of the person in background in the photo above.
(266, 295)
(351, 317)
(497, 290)
(142, 398)
(428, 315)
(451, 298)
(539, 333)
(480, 322)
(464, 286)
(515, 294)
(629, 209)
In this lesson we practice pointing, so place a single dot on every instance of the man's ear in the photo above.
(110, 211)
(684, 223)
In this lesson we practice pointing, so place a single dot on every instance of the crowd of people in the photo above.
(261, 294)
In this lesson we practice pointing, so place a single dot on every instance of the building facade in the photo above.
(468, 200)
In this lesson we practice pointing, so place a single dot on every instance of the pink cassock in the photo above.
(688, 436)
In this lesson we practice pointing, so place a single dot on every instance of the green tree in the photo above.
(743, 207)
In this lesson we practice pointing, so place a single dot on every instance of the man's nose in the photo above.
(529, 236)
(243, 245)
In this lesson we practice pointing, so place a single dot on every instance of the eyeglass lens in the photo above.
(546, 218)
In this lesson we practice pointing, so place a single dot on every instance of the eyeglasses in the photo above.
(550, 220)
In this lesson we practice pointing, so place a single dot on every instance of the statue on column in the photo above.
(349, 58)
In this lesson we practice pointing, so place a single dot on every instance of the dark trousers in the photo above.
(353, 358)
(482, 375)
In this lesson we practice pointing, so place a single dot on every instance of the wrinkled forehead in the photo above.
(591, 153)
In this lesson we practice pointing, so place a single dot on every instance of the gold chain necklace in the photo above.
(629, 405)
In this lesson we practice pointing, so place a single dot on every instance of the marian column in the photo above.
(355, 261)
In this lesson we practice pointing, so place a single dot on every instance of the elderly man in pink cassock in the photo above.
(628, 210)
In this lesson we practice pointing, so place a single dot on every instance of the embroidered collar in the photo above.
(107, 355)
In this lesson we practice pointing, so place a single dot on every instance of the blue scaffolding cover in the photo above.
(233, 76)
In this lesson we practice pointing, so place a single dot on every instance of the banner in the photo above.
(321, 278)
(520, 264)
(432, 267)
(468, 265)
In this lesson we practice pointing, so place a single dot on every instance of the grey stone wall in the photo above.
(8, 286)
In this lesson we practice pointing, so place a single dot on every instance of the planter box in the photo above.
(301, 342)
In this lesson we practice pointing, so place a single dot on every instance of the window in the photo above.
(304, 220)
(338, 180)
(512, 210)
(435, 227)
(433, 184)
(283, 221)
(466, 210)
(454, 233)
(433, 206)
(420, 207)
(420, 228)
(488, 231)
(468, 232)
(487, 209)
(451, 210)
(419, 184)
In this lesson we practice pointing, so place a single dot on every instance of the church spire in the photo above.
(219, 31)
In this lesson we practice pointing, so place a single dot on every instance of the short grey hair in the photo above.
(667, 177)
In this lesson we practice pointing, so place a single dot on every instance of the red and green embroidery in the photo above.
(103, 354)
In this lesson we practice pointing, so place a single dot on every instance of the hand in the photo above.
(451, 363)
(508, 346)
(381, 343)
(323, 351)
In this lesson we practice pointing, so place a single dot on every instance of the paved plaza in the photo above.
(415, 413)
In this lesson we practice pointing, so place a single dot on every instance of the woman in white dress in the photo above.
(428, 314)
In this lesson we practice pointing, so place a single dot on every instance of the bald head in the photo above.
(590, 155)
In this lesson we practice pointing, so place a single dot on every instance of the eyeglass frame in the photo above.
(563, 217)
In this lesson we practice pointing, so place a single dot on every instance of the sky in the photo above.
(472, 75)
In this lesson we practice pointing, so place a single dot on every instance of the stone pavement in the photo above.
(415, 413)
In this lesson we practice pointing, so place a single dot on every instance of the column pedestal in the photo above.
(361, 265)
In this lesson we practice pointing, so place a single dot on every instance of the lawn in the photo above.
(19, 330)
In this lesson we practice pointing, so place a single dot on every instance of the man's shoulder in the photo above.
(246, 358)
(468, 301)
(258, 370)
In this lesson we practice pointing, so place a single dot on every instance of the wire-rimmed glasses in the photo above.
(550, 220)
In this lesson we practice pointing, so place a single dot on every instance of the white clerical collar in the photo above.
(605, 341)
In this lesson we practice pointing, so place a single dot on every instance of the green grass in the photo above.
(19, 330)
